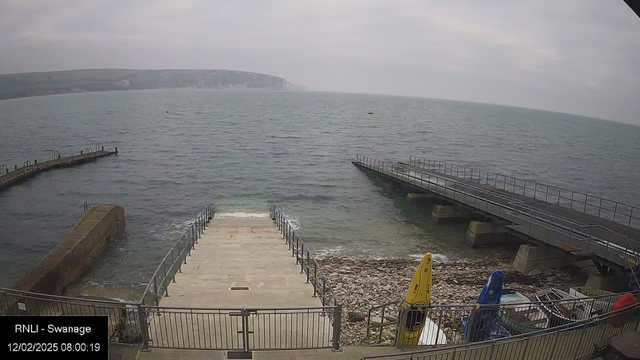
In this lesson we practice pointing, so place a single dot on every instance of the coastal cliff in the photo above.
(76, 81)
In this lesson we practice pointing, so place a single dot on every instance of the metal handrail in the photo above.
(630, 312)
(416, 162)
(307, 265)
(510, 212)
(231, 308)
(68, 299)
(447, 311)
(173, 260)
(493, 178)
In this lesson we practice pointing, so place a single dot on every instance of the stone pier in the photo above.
(485, 233)
(449, 214)
(532, 257)
(420, 198)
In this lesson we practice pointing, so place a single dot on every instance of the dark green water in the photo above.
(244, 150)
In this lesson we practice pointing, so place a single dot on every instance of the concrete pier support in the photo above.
(608, 282)
(420, 198)
(531, 257)
(448, 214)
(485, 233)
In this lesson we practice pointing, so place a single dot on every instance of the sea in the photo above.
(245, 150)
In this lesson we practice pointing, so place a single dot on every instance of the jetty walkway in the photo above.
(9, 178)
(584, 226)
(241, 284)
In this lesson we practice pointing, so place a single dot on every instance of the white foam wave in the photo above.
(434, 257)
(295, 225)
(328, 252)
(241, 214)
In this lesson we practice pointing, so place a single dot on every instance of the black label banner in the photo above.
(54, 337)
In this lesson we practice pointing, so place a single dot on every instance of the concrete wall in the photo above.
(72, 256)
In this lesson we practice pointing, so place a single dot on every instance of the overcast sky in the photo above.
(577, 56)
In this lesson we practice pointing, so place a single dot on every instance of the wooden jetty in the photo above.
(583, 226)
(29, 169)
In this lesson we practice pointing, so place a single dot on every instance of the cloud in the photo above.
(575, 56)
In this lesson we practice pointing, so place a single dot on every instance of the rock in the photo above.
(551, 279)
(375, 282)
(534, 272)
(388, 335)
(376, 320)
(355, 317)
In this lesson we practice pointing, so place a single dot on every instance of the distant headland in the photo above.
(89, 80)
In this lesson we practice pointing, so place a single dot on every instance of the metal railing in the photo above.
(615, 211)
(544, 226)
(126, 319)
(463, 323)
(172, 262)
(243, 329)
(308, 265)
(29, 166)
(570, 341)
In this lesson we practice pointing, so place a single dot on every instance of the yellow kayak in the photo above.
(419, 293)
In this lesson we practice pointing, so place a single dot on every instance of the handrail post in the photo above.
(337, 323)
(293, 249)
(324, 288)
(584, 329)
(142, 319)
(164, 273)
(315, 279)
(308, 264)
(297, 249)
(155, 290)
(194, 240)
(302, 259)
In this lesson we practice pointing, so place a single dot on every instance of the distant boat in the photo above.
(521, 319)
(370, 112)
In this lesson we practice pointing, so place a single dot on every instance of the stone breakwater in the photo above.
(364, 283)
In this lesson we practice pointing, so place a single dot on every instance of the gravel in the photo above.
(364, 283)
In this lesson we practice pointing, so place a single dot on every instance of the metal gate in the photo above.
(244, 330)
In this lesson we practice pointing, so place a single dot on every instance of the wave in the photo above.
(434, 257)
(241, 214)
(329, 252)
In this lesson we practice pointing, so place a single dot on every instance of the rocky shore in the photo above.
(364, 283)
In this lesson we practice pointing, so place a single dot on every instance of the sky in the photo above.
(575, 56)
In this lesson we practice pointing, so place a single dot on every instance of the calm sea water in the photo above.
(245, 150)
